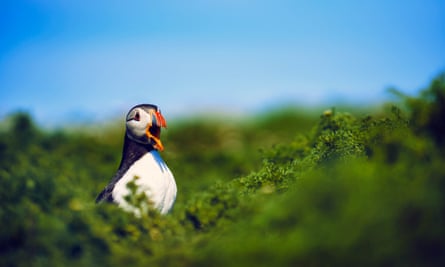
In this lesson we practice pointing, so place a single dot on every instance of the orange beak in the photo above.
(155, 137)
(155, 134)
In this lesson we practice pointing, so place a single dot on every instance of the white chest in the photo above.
(154, 179)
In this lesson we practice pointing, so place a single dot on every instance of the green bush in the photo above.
(348, 191)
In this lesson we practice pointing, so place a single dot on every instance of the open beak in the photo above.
(155, 136)
(154, 133)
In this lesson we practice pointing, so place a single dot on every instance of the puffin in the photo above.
(142, 164)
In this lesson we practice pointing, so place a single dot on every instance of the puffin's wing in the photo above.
(105, 194)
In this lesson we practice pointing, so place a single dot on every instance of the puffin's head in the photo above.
(144, 123)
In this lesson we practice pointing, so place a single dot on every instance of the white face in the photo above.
(138, 120)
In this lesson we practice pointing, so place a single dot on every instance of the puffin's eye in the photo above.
(137, 116)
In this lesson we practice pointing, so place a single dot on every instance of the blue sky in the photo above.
(65, 60)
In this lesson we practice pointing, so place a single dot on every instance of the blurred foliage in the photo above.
(283, 189)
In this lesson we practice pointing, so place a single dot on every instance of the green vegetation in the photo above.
(284, 189)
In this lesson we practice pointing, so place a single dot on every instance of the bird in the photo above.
(142, 164)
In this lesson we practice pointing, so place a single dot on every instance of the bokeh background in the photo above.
(287, 147)
(77, 61)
